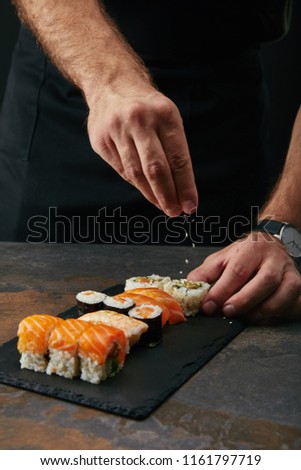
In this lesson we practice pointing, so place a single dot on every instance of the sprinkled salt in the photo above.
(186, 261)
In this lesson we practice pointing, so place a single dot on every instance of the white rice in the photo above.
(90, 297)
(63, 363)
(111, 302)
(156, 311)
(154, 280)
(32, 361)
(93, 372)
(190, 295)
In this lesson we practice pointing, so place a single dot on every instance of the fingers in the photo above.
(165, 159)
(229, 270)
(234, 276)
(253, 278)
(157, 172)
(260, 287)
(177, 153)
(129, 167)
(284, 303)
(210, 271)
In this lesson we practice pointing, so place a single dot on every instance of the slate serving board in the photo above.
(149, 376)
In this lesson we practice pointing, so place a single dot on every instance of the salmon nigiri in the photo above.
(33, 333)
(176, 314)
(132, 328)
(63, 346)
(102, 350)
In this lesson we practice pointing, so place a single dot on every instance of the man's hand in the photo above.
(253, 278)
(140, 134)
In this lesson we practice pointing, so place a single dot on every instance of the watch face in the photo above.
(292, 240)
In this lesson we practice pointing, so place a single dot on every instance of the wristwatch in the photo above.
(287, 233)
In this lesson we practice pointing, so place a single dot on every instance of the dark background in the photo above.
(282, 63)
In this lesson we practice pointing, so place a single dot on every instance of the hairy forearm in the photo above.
(285, 200)
(84, 44)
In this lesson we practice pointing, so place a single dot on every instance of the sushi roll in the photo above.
(154, 280)
(89, 301)
(151, 315)
(189, 294)
(63, 346)
(133, 329)
(119, 305)
(101, 350)
(176, 314)
(33, 334)
(140, 299)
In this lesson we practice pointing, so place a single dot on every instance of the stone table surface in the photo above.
(248, 396)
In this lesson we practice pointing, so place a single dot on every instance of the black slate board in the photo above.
(149, 376)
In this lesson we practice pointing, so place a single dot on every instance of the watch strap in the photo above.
(270, 226)
(297, 262)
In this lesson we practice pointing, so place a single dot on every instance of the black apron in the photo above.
(54, 188)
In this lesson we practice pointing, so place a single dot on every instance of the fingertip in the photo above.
(229, 310)
(172, 213)
(194, 275)
(189, 207)
(198, 275)
(209, 307)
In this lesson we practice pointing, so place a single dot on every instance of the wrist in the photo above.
(118, 84)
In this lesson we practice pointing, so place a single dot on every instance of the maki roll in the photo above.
(33, 333)
(154, 280)
(63, 345)
(101, 351)
(189, 294)
(151, 315)
(119, 305)
(89, 301)
(176, 314)
(133, 329)
(140, 299)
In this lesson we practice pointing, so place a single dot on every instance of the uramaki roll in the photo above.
(33, 333)
(101, 350)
